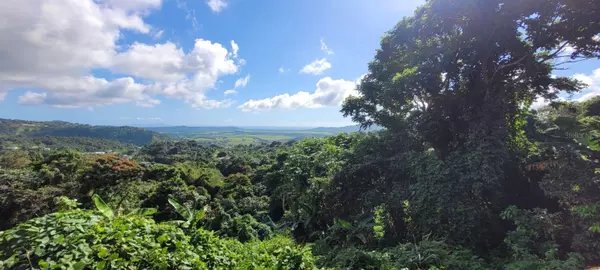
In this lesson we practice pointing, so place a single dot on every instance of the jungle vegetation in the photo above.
(463, 175)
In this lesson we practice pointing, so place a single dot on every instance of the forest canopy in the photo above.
(464, 175)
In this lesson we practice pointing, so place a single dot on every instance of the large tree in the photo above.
(461, 75)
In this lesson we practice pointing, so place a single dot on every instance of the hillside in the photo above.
(65, 135)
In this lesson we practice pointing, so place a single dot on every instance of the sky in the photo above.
(196, 62)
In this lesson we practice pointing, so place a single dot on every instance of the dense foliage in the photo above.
(465, 174)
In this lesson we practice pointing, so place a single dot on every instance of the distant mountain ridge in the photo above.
(10, 128)
(84, 137)
(196, 129)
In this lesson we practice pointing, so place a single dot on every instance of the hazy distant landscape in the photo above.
(60, 135)
(241, 135)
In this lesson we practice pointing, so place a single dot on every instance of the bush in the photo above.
(81, 239)
(279, 252)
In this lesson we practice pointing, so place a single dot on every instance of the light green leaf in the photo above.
(103, 207)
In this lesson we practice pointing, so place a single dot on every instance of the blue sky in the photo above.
(171, 62)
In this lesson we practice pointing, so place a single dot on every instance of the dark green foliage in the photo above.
(462, 158)
(533, 243)
(167, 152)
(22, 197)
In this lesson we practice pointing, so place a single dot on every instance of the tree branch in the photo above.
(559, 50)
(510, 64)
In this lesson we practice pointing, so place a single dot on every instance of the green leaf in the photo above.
(183, 211)
(162, 238)
(200, 214)
(79, 266)
(103, 207)
(344, 224)
(43, 265)
(148, 211)
(103, 252)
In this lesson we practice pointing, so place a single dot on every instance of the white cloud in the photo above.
(316, 67)
(281, 70)
(230, 92)
(42, 50)
(199, 101)
(158, 34)
(31, 98)
(242, 82)
(133, 5)
(143, 118)
(539, 102)
(190, 14)
(593, 82)
(166, 62)
(568, 50)
(329, 92)
(593, 89)
(325, 48)
(88, 91)
(163, 62)
(234, 49)
(216, 5)
(148, 103)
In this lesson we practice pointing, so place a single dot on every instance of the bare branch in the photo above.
(568, 62)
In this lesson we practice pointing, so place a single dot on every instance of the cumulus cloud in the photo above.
(325, 48)
(539, 102)
(329, 92)
(281, 70)
(41, 50)
(216, 5)
(593, 82)
(316, 67)
(31, 98)
(166, 62)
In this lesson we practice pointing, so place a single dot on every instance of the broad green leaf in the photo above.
(183, 211)
(103, 207)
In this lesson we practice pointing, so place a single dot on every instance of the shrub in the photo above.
(279, 252)
(81, 239)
